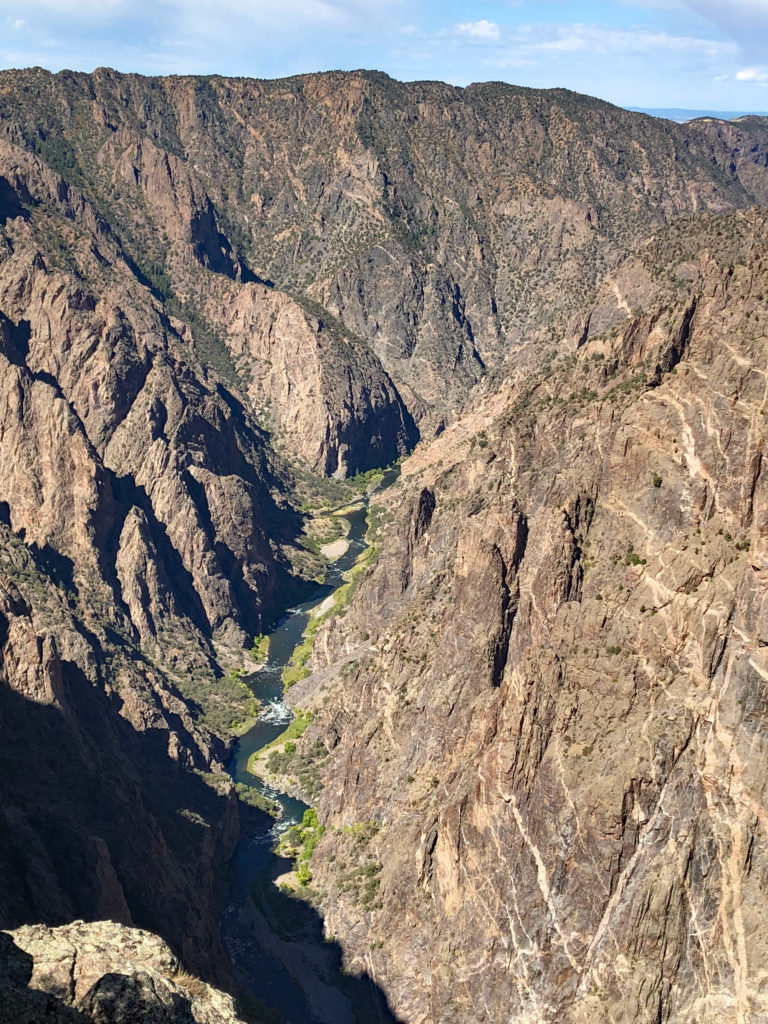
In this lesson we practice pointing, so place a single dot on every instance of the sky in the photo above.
(700, 54)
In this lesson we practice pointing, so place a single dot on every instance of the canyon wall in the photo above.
(540, 724)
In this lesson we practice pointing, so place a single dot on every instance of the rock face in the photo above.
(102, 973)
(114, 800)
(545, 773)
(142, 459)
(140, 524)
(410, 235)
(545, 799)
(316, 384)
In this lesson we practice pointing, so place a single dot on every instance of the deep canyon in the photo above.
(531, 721)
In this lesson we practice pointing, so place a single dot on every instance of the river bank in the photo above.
(275, 940)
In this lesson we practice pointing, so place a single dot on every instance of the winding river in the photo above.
(275, 943)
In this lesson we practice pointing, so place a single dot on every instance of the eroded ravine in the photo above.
(275, 941)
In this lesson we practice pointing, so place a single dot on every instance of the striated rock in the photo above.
(438, 227)
(104, 973)
(542, 712)
(94, 375)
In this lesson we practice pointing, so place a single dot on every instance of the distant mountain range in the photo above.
(681, 115)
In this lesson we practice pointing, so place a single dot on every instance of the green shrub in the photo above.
(634, 559)
(260, 650)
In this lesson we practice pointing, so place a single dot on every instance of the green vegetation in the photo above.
(378, 517)
(260, 650)
(296, 728)
(343, 595)
(299, 844)
(632, 558)
(322, 530)
(358, 867)
(60, 154)
(225, 705)
(303, 765)
(283, 757)
(296, 668)
(657, 480)
(251, 796)
(319, 493)
(367, 480)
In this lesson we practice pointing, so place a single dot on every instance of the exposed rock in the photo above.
(103, 973)
(548, 695)
(325, 393)
(95, 376)
(114, 801)
(544, 788)
(438, 227)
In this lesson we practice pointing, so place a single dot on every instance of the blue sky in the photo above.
(652, 53)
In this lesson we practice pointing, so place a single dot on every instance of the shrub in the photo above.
(634, 559)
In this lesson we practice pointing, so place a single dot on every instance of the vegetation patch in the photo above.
(358, 869)
(322, 530)
(253, 798)
(296, 668)
(226, 705)
(299, 844)
(260, 650)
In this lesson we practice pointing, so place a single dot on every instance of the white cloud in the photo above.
(313, 11)
(485, 30)
(612, 42)
(759, 75)
(76, 8)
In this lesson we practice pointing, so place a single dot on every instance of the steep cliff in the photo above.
(539, 723)
(433, 227)
(114, 799)
(541, 720)
(141, 536)
(143, 458)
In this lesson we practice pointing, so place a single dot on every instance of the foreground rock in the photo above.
(102, 973)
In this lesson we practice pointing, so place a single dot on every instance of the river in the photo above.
(275, 942)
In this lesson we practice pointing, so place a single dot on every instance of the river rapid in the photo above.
(274, 941)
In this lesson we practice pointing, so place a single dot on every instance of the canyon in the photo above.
(536, 729)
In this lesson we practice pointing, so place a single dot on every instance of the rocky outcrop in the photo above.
(544, 782)
(95, 377)
(103, 973)
(323, 393)
(542, 712)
